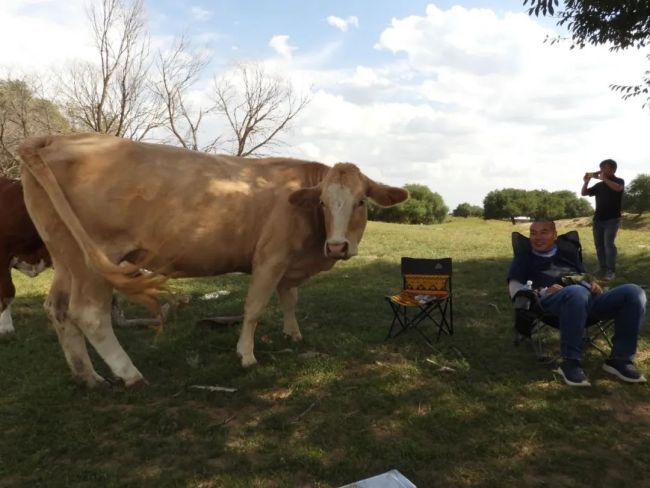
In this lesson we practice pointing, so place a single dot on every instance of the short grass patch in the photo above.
(343, 405)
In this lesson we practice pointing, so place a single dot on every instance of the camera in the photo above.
(592, 174)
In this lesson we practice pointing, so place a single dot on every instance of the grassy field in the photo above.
(343, 405)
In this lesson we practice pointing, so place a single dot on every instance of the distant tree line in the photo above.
(509, 203)
(467, 210)
(423, 207)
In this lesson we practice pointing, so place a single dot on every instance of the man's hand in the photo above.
(586, 177)
(596, 289)
(553, 288)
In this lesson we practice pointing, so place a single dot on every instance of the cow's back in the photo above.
(202, 213)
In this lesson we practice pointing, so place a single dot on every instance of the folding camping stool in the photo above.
(426, 296)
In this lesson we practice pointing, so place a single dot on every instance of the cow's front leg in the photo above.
(288, 297)
(263, 281)
(7, 293)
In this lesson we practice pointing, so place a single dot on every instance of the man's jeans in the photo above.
(575, 304)
(604, 235)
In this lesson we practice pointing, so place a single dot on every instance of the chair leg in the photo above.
(400, 321)
(601, 331)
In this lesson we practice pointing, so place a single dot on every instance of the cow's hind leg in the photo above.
(70, 337)
(90, 309)
(288, 297)
(7, 293)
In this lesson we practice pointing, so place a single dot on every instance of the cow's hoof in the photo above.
(248, 361)
(91, 382)
(294, 336)
(137, 383)
(6, 332)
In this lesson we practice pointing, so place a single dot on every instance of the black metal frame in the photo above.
(436, 309)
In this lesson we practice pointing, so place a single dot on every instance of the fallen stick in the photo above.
(220, 321)
(214, 388)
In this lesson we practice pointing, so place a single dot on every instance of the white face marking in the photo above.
(340, 204)
(6, 324)
(30, 270)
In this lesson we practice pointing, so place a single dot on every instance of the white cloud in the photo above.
(343, 24)
(200, 14)
(39, 35)
(464, 100)
(476, 101)
(280, 44)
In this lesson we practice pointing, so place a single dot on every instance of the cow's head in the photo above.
(343, 195)
(32, 264)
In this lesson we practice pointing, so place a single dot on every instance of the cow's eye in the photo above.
(361, 203)
(321, 203)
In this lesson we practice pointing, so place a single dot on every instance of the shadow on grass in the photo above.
(343, 405)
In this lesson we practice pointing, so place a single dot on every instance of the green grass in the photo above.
(343, 405)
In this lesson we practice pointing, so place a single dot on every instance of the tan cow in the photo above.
(99, 200)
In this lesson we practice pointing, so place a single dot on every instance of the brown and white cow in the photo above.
(20, 247)
(98, 200)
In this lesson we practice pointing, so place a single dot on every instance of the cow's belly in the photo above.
(194, 266)
(304, 267)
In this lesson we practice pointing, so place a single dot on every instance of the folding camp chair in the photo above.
(426, 296)
(531, 320)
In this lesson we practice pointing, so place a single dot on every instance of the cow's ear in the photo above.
(384, 195)
(305, 197)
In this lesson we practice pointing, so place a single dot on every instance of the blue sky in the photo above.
(464, 97)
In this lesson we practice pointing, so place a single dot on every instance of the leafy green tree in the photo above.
(462, 210)
(536, 204)
(422, 207)
(620, 23)
(637, 195)
(506, 203)
(467, 210)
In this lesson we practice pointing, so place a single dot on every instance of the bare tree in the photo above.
(257, 106)
(24, 111)
(179, 70)
(113, 96)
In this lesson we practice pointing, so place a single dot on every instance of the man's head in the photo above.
(542, 235)
(608, 167)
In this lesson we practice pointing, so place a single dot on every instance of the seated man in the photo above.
(572, 305)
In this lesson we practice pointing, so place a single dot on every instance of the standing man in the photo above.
(607, 218)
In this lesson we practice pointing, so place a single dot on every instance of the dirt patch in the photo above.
(626, 412)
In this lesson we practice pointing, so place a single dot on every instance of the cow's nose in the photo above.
(337, 249)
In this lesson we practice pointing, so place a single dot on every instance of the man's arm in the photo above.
(514, 286)
(585, 191)
(613, 185)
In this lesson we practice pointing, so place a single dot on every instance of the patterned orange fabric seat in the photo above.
(427, 290)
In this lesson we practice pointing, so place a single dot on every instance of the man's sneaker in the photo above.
(609, 276)
(572, 373)
(623, 370)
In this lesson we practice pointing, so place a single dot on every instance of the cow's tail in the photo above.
(144, 288)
